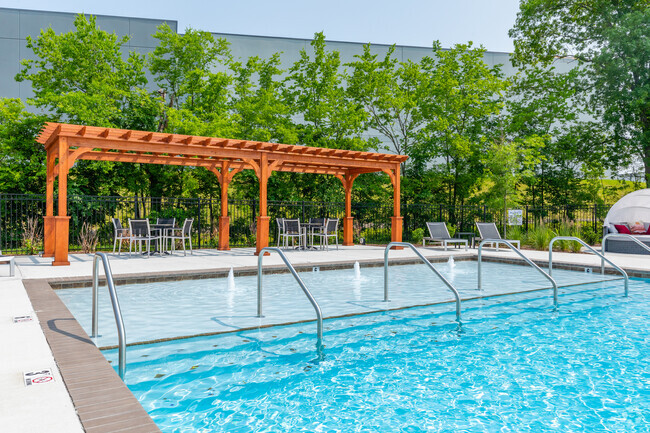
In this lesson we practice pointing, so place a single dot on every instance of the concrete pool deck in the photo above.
(49, 407)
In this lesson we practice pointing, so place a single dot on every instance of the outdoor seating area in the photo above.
(160, 237)
(302, 234)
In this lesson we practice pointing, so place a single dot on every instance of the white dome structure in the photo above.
(633, 207)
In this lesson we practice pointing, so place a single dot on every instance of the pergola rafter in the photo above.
(67, 143)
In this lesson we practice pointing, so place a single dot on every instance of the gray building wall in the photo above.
(17, 24)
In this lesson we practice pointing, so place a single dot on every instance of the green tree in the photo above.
(80, 76)
(315, 91)
(22, 159)
(610, 41)
(460, 104)
(389, 91)
(323, 113)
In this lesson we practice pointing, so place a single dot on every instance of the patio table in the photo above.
(305, 227)
(163, 229)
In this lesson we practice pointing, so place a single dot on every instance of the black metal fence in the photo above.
(371, 220)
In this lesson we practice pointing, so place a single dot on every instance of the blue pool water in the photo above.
(180, 308)
(515, 365)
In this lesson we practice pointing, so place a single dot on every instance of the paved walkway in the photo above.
(48, 407)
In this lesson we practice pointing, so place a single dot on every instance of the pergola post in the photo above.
(396, 219)
(348, 232)
(224, 177)
(62, 221)
(263, 219)
(48, 220)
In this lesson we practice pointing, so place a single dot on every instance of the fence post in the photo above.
(199, 223)
(595, 217)
(303, 211)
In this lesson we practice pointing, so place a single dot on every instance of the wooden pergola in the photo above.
(66, 143)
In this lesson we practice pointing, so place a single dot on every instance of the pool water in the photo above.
(514, 365)
(183, 308)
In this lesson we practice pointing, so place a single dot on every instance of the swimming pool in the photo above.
(514, 366)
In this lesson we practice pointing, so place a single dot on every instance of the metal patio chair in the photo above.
(316, 226)
(438, 233)
(183, 234)
(291, 230)
(140, 232)
(490, 231)
(170, 224)
(120, 234)
(331, 230)
(280, 223)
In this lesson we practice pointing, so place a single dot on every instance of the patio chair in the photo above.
(280, 223)
(120, 234)
(141, 232)
(170, 222)
(438, 233)
(316, 226)
(490, 231)
(183, 234)
(12, 263)
(331, 230)
(291, 230)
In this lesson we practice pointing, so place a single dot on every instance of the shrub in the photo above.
(540, 236)
(88, 238)
(417, 235)
(32, 236)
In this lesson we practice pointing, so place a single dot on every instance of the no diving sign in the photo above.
(38, 377)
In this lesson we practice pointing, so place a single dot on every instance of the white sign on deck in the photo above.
(21, 319)
(38, 377)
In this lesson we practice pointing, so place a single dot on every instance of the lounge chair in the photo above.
(438, 233)
(490, 231)
(12, 263)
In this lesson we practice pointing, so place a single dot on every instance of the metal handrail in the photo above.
(119, 322)
(319, 314)
(428, 263)
(602, 257)
(619, 235)
(526, 259)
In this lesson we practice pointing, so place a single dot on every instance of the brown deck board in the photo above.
(103, 402)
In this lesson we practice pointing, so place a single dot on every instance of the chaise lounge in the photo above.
(438, 233)
(490, 231)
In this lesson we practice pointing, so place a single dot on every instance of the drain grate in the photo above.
(38, 377)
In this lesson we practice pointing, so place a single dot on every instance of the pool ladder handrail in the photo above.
(426, 262)
(526, 259)
(615, 235)
(603, 259)
(319, 314)
(119, 322)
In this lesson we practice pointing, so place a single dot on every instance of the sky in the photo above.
(405, 22)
